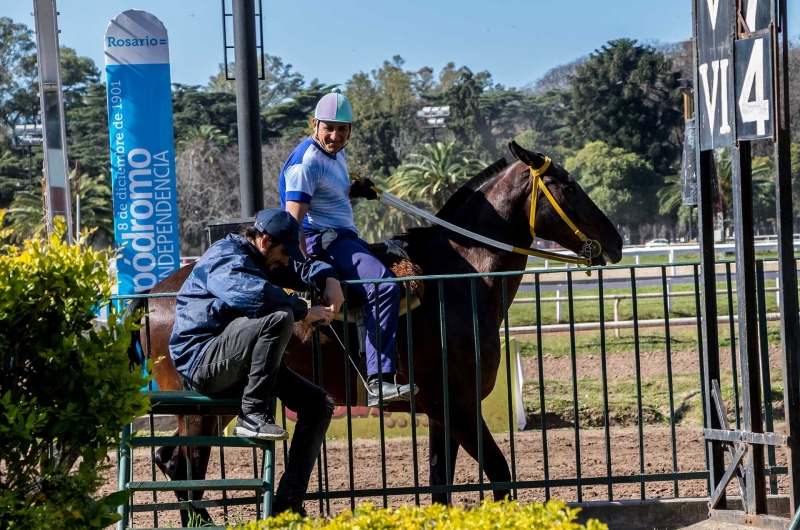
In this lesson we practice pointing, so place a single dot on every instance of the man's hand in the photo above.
(333, 294)
(320, 314)
(364, 190)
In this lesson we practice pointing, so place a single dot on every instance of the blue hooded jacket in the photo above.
(231, 281)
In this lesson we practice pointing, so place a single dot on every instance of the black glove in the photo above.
(359, 189)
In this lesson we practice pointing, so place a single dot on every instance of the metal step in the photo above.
(254, 484)
(198, 441)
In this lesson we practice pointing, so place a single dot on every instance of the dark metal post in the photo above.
(752, 419)
(708, 286)
(248, 118)
(788, 266)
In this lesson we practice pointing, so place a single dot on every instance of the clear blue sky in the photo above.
(516, 40)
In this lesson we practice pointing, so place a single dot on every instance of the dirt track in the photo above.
(529, 466)
(558, 368)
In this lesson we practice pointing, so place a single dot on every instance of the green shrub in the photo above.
(489, 515)
(65, 387)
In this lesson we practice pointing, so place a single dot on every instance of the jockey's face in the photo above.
(331, 135)
(274, 254)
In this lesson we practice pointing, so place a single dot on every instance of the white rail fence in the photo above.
(617, 324)
(674, 250)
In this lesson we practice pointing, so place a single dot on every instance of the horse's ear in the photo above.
(529, 157)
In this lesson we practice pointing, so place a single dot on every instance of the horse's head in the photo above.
(574, 204)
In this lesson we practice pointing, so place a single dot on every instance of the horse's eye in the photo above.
(569, 190)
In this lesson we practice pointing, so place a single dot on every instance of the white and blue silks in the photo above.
(313, 176)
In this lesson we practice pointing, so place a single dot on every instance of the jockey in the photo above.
(315, 189)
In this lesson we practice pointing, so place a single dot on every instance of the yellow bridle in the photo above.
(590, 248)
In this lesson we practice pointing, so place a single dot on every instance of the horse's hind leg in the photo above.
(437, 457)
(465, 430)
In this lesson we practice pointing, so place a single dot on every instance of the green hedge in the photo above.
(65, 387)
(488, 515)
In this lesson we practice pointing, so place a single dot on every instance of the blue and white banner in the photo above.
(142, 150)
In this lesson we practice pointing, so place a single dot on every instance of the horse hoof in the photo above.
(167, 461)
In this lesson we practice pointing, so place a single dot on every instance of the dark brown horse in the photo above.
(496, 204)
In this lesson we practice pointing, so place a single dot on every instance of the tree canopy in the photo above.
(625, 95)
(613, 117)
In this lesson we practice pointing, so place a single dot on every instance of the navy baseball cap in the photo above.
(283, 228)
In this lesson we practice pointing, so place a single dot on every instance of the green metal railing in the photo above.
(632, 278)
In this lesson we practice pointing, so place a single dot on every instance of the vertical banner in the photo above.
(142, 150)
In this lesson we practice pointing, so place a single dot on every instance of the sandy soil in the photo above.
(529, 466)
(559, 368)
(561, 464)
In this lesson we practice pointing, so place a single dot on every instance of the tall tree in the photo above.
(385, 103)
(192, 106)
(434, 175)
(622, 184)
(279, 82)
(557, 78)
(87, 130)
(292, 118)
(625, 95)
(468, 121)
(26, 214)
(545, 120)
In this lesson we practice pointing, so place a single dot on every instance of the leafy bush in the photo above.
(495, 515)
(65, 387)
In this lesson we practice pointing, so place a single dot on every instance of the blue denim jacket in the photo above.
(231, 281)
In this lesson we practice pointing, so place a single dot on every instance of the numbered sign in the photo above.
(753, 72)
(714, 80)
(754, 89)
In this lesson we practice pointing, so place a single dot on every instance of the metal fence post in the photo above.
(558, 307)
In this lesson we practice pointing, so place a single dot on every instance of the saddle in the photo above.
(395, 258)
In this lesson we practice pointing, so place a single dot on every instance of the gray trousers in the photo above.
(246, 360)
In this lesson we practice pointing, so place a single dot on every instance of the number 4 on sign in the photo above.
(758, 109)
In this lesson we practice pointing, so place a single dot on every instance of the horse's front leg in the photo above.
(437, 457)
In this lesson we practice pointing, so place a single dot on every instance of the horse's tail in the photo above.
(135, 354)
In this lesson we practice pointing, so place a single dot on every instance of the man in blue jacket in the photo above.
(232, 323)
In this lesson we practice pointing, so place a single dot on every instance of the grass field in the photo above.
(524, 314)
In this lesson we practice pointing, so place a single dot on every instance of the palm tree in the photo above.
(26, 215)
(377, 222)
(434, 175)
(203, 133)
(670, 195)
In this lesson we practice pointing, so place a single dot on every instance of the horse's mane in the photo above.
(471, 186)
(455, 202)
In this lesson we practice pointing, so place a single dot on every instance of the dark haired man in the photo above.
(233, 320)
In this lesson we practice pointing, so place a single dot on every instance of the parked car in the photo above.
(657, 243)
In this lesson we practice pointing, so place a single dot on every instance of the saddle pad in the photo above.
(394, 257)
(352, 314)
